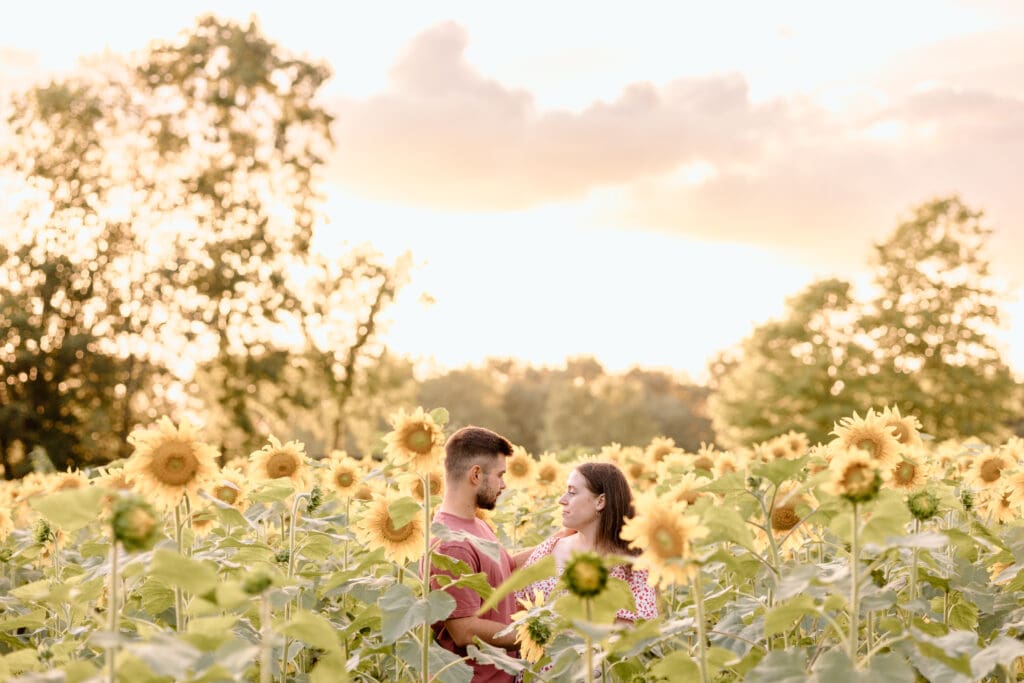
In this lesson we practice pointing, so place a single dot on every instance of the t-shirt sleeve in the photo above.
(467, 600)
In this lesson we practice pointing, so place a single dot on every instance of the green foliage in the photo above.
(164, 205)
(921, 344)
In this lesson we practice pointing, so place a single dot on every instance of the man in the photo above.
(474, 478)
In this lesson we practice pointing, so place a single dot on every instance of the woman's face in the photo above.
(580, 506)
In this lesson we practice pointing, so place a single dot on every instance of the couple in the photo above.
(595, 503)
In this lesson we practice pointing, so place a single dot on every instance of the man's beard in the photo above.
(487, 500)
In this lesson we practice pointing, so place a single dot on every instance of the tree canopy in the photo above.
(163, 212)
(922, 343)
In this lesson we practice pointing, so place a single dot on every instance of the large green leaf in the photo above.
(70, 510)
(521, 578)
(314, 629)
(788, 614)
(401, 611)
(195, 576)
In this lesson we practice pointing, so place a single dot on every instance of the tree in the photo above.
(921, 344)
(802, 372)
(930, 323)
(166, 205)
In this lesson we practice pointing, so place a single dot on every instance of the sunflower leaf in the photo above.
(194, 576)
(544, 569)
(779, 470)
(70, 510)
(403, 510)
(314, 629)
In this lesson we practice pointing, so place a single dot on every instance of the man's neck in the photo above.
(459, 507)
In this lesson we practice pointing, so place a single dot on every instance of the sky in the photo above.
(644, 183)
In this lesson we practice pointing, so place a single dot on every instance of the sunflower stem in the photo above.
(702, 648)
(179, 600)
(589, 645)
(427, 635)
(299, 497)
(266, 645)
(113, 613)
(854, 588)
(913, 565)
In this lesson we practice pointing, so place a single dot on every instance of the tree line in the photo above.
(157, 260)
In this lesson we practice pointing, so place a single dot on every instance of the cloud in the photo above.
(445, 136)
(696, 156)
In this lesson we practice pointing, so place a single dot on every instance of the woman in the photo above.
(596, 502)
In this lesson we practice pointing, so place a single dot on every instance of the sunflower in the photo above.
(533, 631)
(789, 509)
(232, 488)
(377, 529)
(6, 524)
(987, 469)
(550, 475)
(169, 462)
(67, 481)
(277, 461)
(799, 444)
(905, 428)
(664, 534)
(415, 440)
(1014, 449)
(728, 462)
(612, 453)
(778, 448)
(639, 473)
(411, 484)
(659, 448)
(855, 476)
(519, 468)
(687, 489)
(367, 491)
(705, 458)
(135, 523)
(999, 505)
(911, 470)
(343, 475)
(870, 434)
(923, 505)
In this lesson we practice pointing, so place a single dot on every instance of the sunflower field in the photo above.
(880, 555)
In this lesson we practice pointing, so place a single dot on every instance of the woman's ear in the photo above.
(600, 502)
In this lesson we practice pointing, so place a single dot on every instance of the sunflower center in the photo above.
(419, 440)
(402, 533)
(546, 475)
(990, 470)
(902, 433)
(228, 494)
(779, 452)
(364, 493)
(869, 445)
(667, 543)
(344, 479)
(689, 496)
(703, 462)
(518, 468)
(784, 518)
(281, 465)
(905, 472)
(858, 478)
(174, 464)
(435, 486)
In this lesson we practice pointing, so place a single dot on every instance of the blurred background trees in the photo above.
(921, 342)
(163, 211)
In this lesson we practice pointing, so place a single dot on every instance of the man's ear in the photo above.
(475, 471)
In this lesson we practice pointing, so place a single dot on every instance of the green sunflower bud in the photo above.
(42, 532)
(316, 499)
(135, 523)
(585, 575)
(256, 583)
(967, 499)
(923, 505)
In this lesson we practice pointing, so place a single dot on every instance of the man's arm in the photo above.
(464, 629)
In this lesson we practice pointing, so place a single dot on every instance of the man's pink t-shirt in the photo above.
(467, 600)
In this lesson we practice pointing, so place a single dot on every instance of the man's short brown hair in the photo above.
(469, 443)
